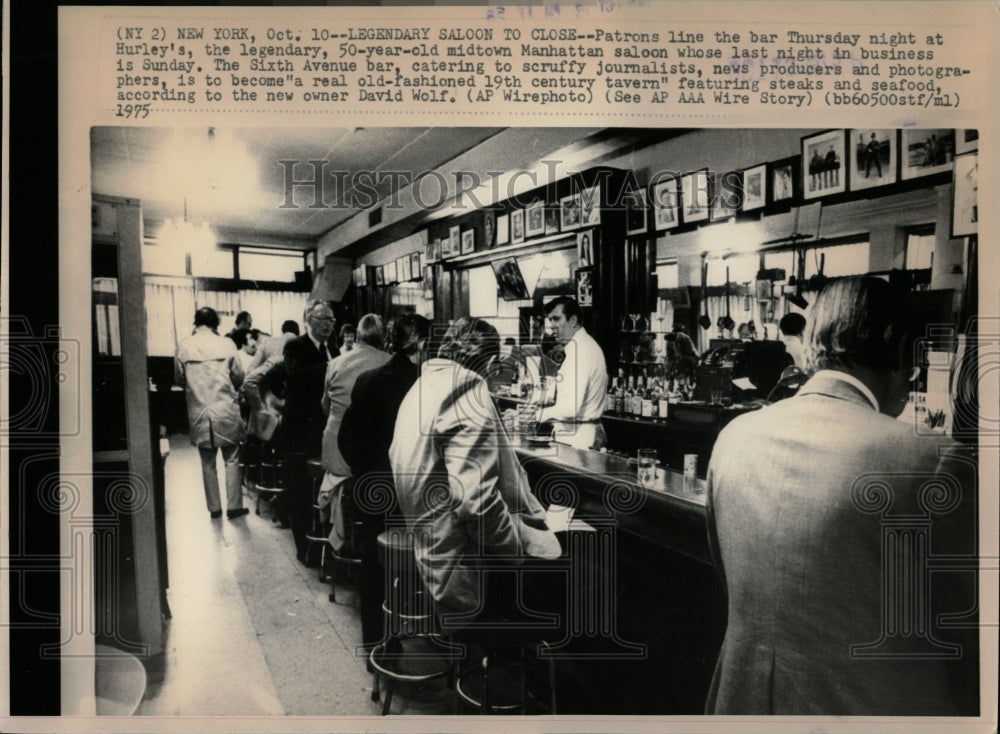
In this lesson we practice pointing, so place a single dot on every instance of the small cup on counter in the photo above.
(690, 465)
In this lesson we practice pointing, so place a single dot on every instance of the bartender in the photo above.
(581, 382)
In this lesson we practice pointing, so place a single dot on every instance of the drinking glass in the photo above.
(635, 321)
(647, 467)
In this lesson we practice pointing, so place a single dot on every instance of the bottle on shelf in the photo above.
(609, 399)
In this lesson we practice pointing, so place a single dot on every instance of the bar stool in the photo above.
(265, 473)
(412, 651)
(511, 647)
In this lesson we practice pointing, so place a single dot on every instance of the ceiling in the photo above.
(235, 179)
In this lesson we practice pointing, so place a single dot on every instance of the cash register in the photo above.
(754, 365)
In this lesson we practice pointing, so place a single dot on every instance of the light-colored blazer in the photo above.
(794, 511)
(341, 374)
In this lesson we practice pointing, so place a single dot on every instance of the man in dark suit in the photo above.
(364, 439)
(821, 507)
(306, 358)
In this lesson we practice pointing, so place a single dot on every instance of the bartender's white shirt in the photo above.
(581, 384)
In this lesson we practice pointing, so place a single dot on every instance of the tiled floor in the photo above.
(253, 632)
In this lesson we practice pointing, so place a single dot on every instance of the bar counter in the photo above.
(667, 598)
(602, 487)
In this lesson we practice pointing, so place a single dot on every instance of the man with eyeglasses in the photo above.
(306, 358)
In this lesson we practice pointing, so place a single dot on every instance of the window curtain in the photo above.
(169, 317)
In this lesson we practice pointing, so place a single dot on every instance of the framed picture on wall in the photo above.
(754, 186)
(874, 158)
(696, 194)
(926, 152)
(965, 195)
(726, 196)
(489, 229)
(391, 276)
(635, 212)
(415, 265)
(590, 206)
(455, 240)
(551, 219)
(585, 287)
(966, 141)
(468, 241)
(585, 248)
(823, 164)
(379, 275)
(783, 181)
(517, 225)
(433, 250)
(665, 204)
(403, 268)
(534, 219)
(569, 212)
(503, 229)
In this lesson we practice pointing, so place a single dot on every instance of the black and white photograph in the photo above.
(925, 152)
(517, 226)
(696, 196)
(503, 229)
(468, 241)
(754, 188)
(823, 164)
(371, 400)
(534, 219)
(570, 212)
(665, 198)
(875, 160)
(783, 181)
(590, 206)
(635, 212)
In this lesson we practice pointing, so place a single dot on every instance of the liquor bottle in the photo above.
(647, 402)
(637, 399)
(609, 400)
(663, 401)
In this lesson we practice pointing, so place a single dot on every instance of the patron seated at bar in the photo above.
(581, 382)
(803, 498)
(459, 483)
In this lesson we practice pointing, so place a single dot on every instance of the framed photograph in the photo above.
(763, 290)
(455, 237)
(590, 206)
(517, 226)
(782, 181)
(665, 204)
(754, 188)
(551, 219)
(585, 248)
(403, 271)
(379, 275)
(489, 229)
(468, 241)
(391, 276)
(965, 195)
(874, 158)
(569, 212)
(415, 265)
(503, 229)
(823, 164)
(584, 287)
(696, 195)
(635, 212)
(534, 219)
(926, 152)
(433, 250)
(726, 196)
(966, 141)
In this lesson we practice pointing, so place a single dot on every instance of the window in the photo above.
(275, 265)
(919, 249)
(159, 259)
(742, 269)
(667, 275)
(212, 263)
(845, 259)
